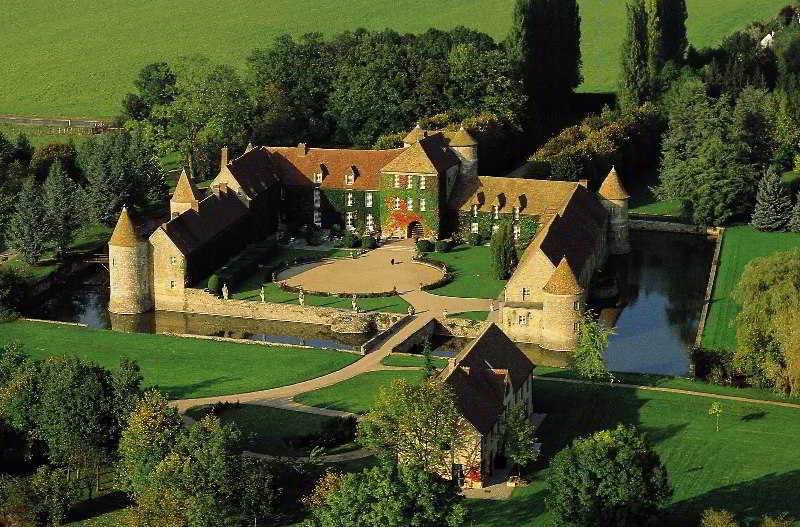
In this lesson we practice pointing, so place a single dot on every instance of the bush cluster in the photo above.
(442, 246)
(241, 266)
(474, 239)
(425, 246)
(350, 241)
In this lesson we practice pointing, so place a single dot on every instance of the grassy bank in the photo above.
(357, 394)
(89, 53)
(471, 268)
(182, 367)
(740, 245)
(748, 467)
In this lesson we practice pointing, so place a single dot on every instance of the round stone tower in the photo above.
(615, 198)
(562, 299)
(464, 145)
(129, 269)
(185, 197)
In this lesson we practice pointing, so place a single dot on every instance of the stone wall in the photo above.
(666, 226)
(460, 327)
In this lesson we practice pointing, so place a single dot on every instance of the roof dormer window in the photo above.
(318, 178)
(350, 177)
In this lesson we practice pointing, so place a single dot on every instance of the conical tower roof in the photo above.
(124, 234)
(414, 135)
(563, 281)
(612, 187)
(185, 191)
(462, 138)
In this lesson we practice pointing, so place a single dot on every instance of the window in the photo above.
(516, 233)
(474, 211)
(349, 199)
(577, 305)
(525, 293)
(370, 223)
(350, 178)
(409, 181)
(368, 199)
(316, 198)
(496, 212)
(523, 320)
(396, 203)
(172, 284)
(173, 260)
(516, 214)
(410, 203)
(422, 206)
(422, 182)
(317, 218)
(396, 181)
(283, 193)
(494, 228)
(350, 221)
(318, 177)
(575, 327)
(475, 228)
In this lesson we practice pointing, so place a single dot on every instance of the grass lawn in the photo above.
(411, 361)
(89, 239)
(471, 315)
(250, 289)
(182, 367)
(472, 271)
(749, 467)
(268, 428)
(42, 135)
(81, 59)
(357, 394)
(739, 246)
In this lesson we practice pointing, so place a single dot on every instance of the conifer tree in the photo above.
(794, 221)
(504, 256)
(773, 204)
(61, 211)
(27, 232)
(634, 86)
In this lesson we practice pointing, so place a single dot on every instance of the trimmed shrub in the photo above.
(474, 239)
(350, 241)
(13, 291)
(213, 284)
(368, 242)
(425, 246)
(442, 246)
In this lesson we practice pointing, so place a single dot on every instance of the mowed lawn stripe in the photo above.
(740, 245)
(182, 367)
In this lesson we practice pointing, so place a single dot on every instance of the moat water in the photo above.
(661, 291)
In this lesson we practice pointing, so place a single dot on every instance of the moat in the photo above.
(662, 285)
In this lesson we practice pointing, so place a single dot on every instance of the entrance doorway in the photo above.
(414, 229)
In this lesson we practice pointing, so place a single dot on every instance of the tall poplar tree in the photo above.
(61, 210)
(634, 85)
(544, 44)
(27, 232)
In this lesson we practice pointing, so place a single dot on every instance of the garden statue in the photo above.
(491, 306)
(263, 294)
(301, 298)
(355, 304)
(444, 313)
(411, 311)
(225, 291)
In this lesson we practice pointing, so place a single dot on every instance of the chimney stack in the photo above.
(302, 149)
(224, 159)
(451, 365)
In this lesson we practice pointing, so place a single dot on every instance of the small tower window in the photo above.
(422, 182)
(577, 305)
(172, 284)
(368, 199)
(173, 260)
(525, 293)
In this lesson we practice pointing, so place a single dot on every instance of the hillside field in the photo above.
(80, 59)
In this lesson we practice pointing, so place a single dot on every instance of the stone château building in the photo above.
(429, 188)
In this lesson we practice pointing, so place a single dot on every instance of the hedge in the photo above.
(442, 246)
(425, 246)
(474, 239)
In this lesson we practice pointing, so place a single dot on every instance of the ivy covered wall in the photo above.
(399, 220)
(298, 207)
(528, 225)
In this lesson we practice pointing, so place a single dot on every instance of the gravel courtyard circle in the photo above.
(371, 273)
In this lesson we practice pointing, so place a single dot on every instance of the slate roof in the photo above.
(534, 197)
(216, 213)
(493, 349)
(296, 170)
(430, 155)
(253, 171)
(612, 187)
(563, 281)
(460, 137)
(186, 191)
(124, 234)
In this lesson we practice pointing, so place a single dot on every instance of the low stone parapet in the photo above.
(460, 327)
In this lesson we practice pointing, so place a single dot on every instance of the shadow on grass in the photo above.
(182, 391)
(522, 510)
(749, 500)
(98, 506)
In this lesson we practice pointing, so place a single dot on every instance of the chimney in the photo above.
(451, 365)
(224, 158)
(223, 187)
(584, 183)
(302, 149)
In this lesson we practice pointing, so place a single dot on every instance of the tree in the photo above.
(155, 84)
(257, 492)
(152, 429)
(769, 297)
(773, 208)
(54, 493)
(61, 208)
(715, 410)
(414, 424)
(752, 128)
(612, 477)
(46, 155)
(718, 518)
(589, 356)
(391, 497)
(518, 436)
(27, 228)
(429, 367)
(544, 46)
(13, 290)
(17, 505)
(504, 255)
(794, 220)
(634, 84)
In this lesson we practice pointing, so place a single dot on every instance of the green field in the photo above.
(266, 429)
(739, 245)
(748, 467)
(357, 394)
(81, 58)
(471, 315)
(182, 367)
(471, 268)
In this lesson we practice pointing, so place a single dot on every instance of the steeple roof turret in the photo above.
(612, 187)
(124, 234)
(462, 138)
(185, 191)
(563, 281)
(414, 135)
